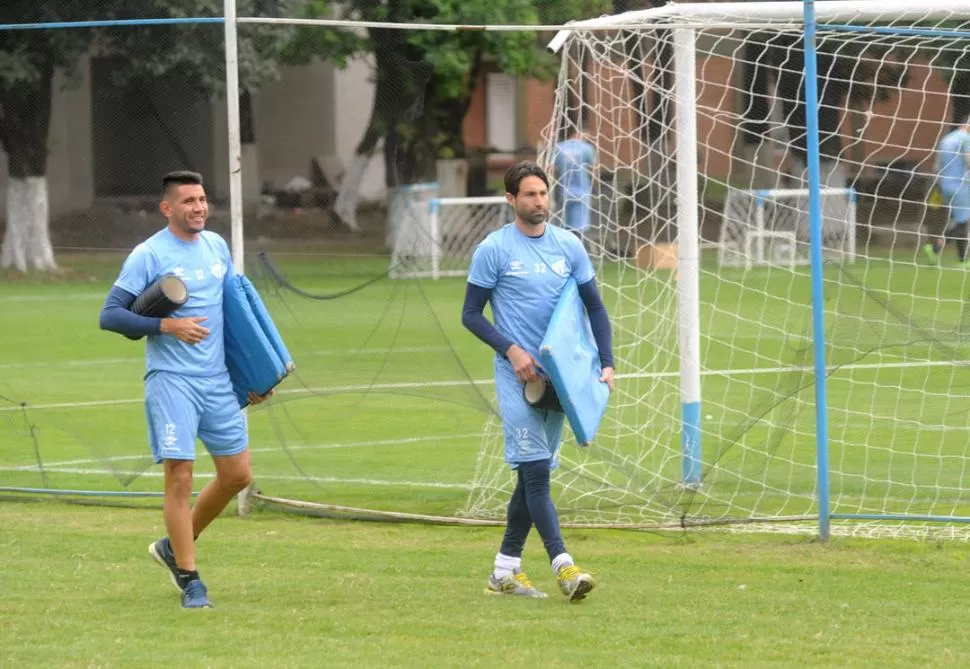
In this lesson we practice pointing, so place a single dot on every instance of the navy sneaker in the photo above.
(196, 595)
(161, 551)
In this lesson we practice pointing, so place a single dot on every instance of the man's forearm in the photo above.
(116, 316)
(479, 326)
(599, 322)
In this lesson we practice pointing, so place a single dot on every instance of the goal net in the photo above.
(700, 230)
(434, 237)
(771, 226)
(698, 118)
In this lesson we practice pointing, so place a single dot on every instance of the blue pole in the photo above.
(815, 234)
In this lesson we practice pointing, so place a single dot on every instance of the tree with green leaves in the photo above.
(425, 80)
(28, 62)
(194, 54)
(142, 54)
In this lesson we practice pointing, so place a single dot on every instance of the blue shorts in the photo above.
(958, 202)
(576, 214)
(530, 434)
(181, 408)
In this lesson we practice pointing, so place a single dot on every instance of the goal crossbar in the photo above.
(740, 14)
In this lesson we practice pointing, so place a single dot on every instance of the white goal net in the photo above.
(434, 237)
(771, 226)
(698, 118)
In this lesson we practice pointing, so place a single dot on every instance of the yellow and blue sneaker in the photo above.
(512, 584)
(574, 583)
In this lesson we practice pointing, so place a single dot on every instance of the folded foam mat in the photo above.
(570, 357)
(256, 356)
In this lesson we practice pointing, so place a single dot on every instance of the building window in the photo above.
(500, 112)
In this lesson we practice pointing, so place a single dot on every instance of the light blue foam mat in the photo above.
(570, 357)
(256, 356)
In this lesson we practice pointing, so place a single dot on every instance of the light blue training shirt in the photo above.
(951, 160)
(203, 265)
(573, 161)
(527, 275)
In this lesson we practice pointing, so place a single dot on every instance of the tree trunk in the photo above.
(27, 242)
(251, 182)
(390, 102)
(345, 205)
(23, 134)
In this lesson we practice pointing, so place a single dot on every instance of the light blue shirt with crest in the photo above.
(574, 160)
(203, 265)
(952, 158)
(527, 275)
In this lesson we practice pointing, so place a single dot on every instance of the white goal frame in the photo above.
(435, 238)
(683, 20)
(757, 224)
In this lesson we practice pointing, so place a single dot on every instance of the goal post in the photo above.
(435, 237)
(804, 370)
(772, 226)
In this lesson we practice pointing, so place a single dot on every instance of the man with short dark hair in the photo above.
(522, 269)
(188, 393)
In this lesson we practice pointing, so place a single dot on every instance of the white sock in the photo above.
(560, 561)
(506, 565)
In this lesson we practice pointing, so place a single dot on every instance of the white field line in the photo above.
(322, 353)
(331, 390)
(304, 447)
(60, 297)
(316, 479)
(70, 466)
(379, 482)
(95, 362)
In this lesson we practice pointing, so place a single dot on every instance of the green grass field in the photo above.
(389, 411)
(392, 401)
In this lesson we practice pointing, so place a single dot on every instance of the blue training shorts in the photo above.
(958, 201)
(576, 214)
(530, 434)
(181, 408)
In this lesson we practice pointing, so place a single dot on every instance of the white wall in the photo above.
(353, 99)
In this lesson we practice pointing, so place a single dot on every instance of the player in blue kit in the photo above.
(953, 173)
(574, 161)
(188, 393)
(522, 269)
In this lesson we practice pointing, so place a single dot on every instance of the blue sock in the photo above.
(518, 522)
(535, 478)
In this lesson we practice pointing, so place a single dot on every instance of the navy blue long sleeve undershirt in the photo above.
(117, 317)
(473, 318)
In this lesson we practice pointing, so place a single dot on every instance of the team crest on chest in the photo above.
(218, 270)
